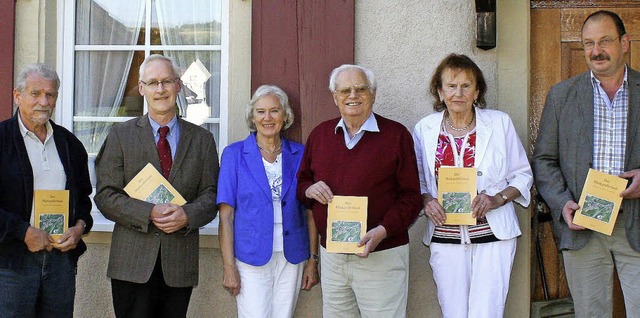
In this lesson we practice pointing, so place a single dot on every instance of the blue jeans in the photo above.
(45, 286)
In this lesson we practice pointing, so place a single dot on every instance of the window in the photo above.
(105, 41)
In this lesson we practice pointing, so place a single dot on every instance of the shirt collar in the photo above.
(371, 124)
(596, 81)
(171, 124)
(24, 131)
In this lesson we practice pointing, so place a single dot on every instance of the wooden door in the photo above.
(299, 52)
(7, 41)
(556, 55)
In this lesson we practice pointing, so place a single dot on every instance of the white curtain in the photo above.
(193, 22)
(101, 76)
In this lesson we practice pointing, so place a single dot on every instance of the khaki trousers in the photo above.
(376, 286)
(590, 274)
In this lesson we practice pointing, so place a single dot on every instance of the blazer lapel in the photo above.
(183, 144)
(633, 116)
(483, 134)
(253, 161)
(289, 168)
(583, 102)
(145, 135)
(431, 136)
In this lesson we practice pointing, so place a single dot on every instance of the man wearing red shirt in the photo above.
(363, 154)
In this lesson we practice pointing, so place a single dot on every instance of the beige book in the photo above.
(457, 188)
(51, 209)
(346, 224)
(150, 186)
(600, 202)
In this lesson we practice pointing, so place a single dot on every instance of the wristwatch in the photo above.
(315, 257)
(504, 197)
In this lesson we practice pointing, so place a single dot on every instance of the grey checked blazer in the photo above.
(564, 153)
(136, 241)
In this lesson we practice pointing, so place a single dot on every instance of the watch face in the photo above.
(504, 197)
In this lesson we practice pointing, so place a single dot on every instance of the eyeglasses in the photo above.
(359, 89)
(603, 43)
(155, 84)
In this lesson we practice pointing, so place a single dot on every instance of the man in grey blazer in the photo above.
(593, 121)
(153, 264)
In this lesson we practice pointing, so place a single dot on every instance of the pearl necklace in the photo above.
(448, 121)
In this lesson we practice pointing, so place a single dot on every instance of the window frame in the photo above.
(64, 112)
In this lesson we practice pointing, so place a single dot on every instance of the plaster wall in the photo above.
(402, 41)
(27, 22)
(239, 89)
(35, 30)
(513, 98)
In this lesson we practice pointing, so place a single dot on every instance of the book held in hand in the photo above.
(51, 209)
(150, 186)
(600, 202)
(346, 224)
(457, 188)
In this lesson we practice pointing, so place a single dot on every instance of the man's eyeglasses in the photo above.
(603, 43)
(359, 89)
(155, 84)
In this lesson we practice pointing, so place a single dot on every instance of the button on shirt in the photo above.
(609, 127)
(48, 171)
(369, 125)
(173, 136)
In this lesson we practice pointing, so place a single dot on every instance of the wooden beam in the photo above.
(7, 41)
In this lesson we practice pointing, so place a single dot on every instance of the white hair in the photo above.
(371, 78)
(263, 91)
